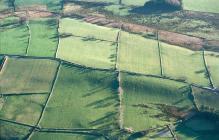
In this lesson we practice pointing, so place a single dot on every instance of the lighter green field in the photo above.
(24, 109)
(183, 64)
(27, 75)
(92, 53)
(135, 2)
(138, 54)
(213, 66)
(202, 5)
(44, 39)
(82, 98)
(147, 100)
(13, 39)
(87, 30)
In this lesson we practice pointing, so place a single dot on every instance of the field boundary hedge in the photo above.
(208, 74)
(160, 55)
(58, 35)
(22, 94)
(29, 36)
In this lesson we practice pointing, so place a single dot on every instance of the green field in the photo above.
(82, 98)
(134, 2)
(13, 39)
(212, 62)
(24, 109)
(150, 102)
(183, 64)
(202, 5)
(44, 39)
(138, 54)
(86, 30)
(52, 5)
(92, 53)
(56, 136)
(3, 5)
(10, 131)
(21, 75)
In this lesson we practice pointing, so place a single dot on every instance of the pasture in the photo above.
(134, 2)
(91, 53)
(82, 98)
(76, 27)
(3, 5)
(202, 5)
(138, 54)
(24, 109)
(153, 102)
(14, 39)
(44, 37)
(27, 75)
(183, 64)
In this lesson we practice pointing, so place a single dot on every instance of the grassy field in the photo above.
(13, 39)
(138, 54)
(151, 102)
(57, 136)
(213, 66)
(82, 98)
(92, 53)
(52, 5)
(10, 131)
(184, 64)
(206, 101)
(202, 5)
(134, 2)
(87, 30)
(24, 109)
(43, 37)
(27, 75)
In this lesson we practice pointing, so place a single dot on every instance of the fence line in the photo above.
(159, 53)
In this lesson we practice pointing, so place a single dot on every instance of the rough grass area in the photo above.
(3, 5)
(27, 75)
(23, 109)
(58, 136)
(10, 131)
(44, 37)
(202, 5)
(90, 31)
(183, 64)
(92, 53)
(213, 66)
(138, 54)
(13, 39)
(152, 102)
(206, 101)
(52, 5)
(82, 98)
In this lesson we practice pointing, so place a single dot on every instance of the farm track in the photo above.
(113, 70)
(172, 132)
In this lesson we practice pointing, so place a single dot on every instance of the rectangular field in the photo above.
(135, 2)
(21, 75)
(14, 39)
(23, 109)
(151, 102)
(87, 30)
(82, 98)
(212, 60)
(138, 54)
(92, 53)
(183, 64)
(44, 37)
(202, 5)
